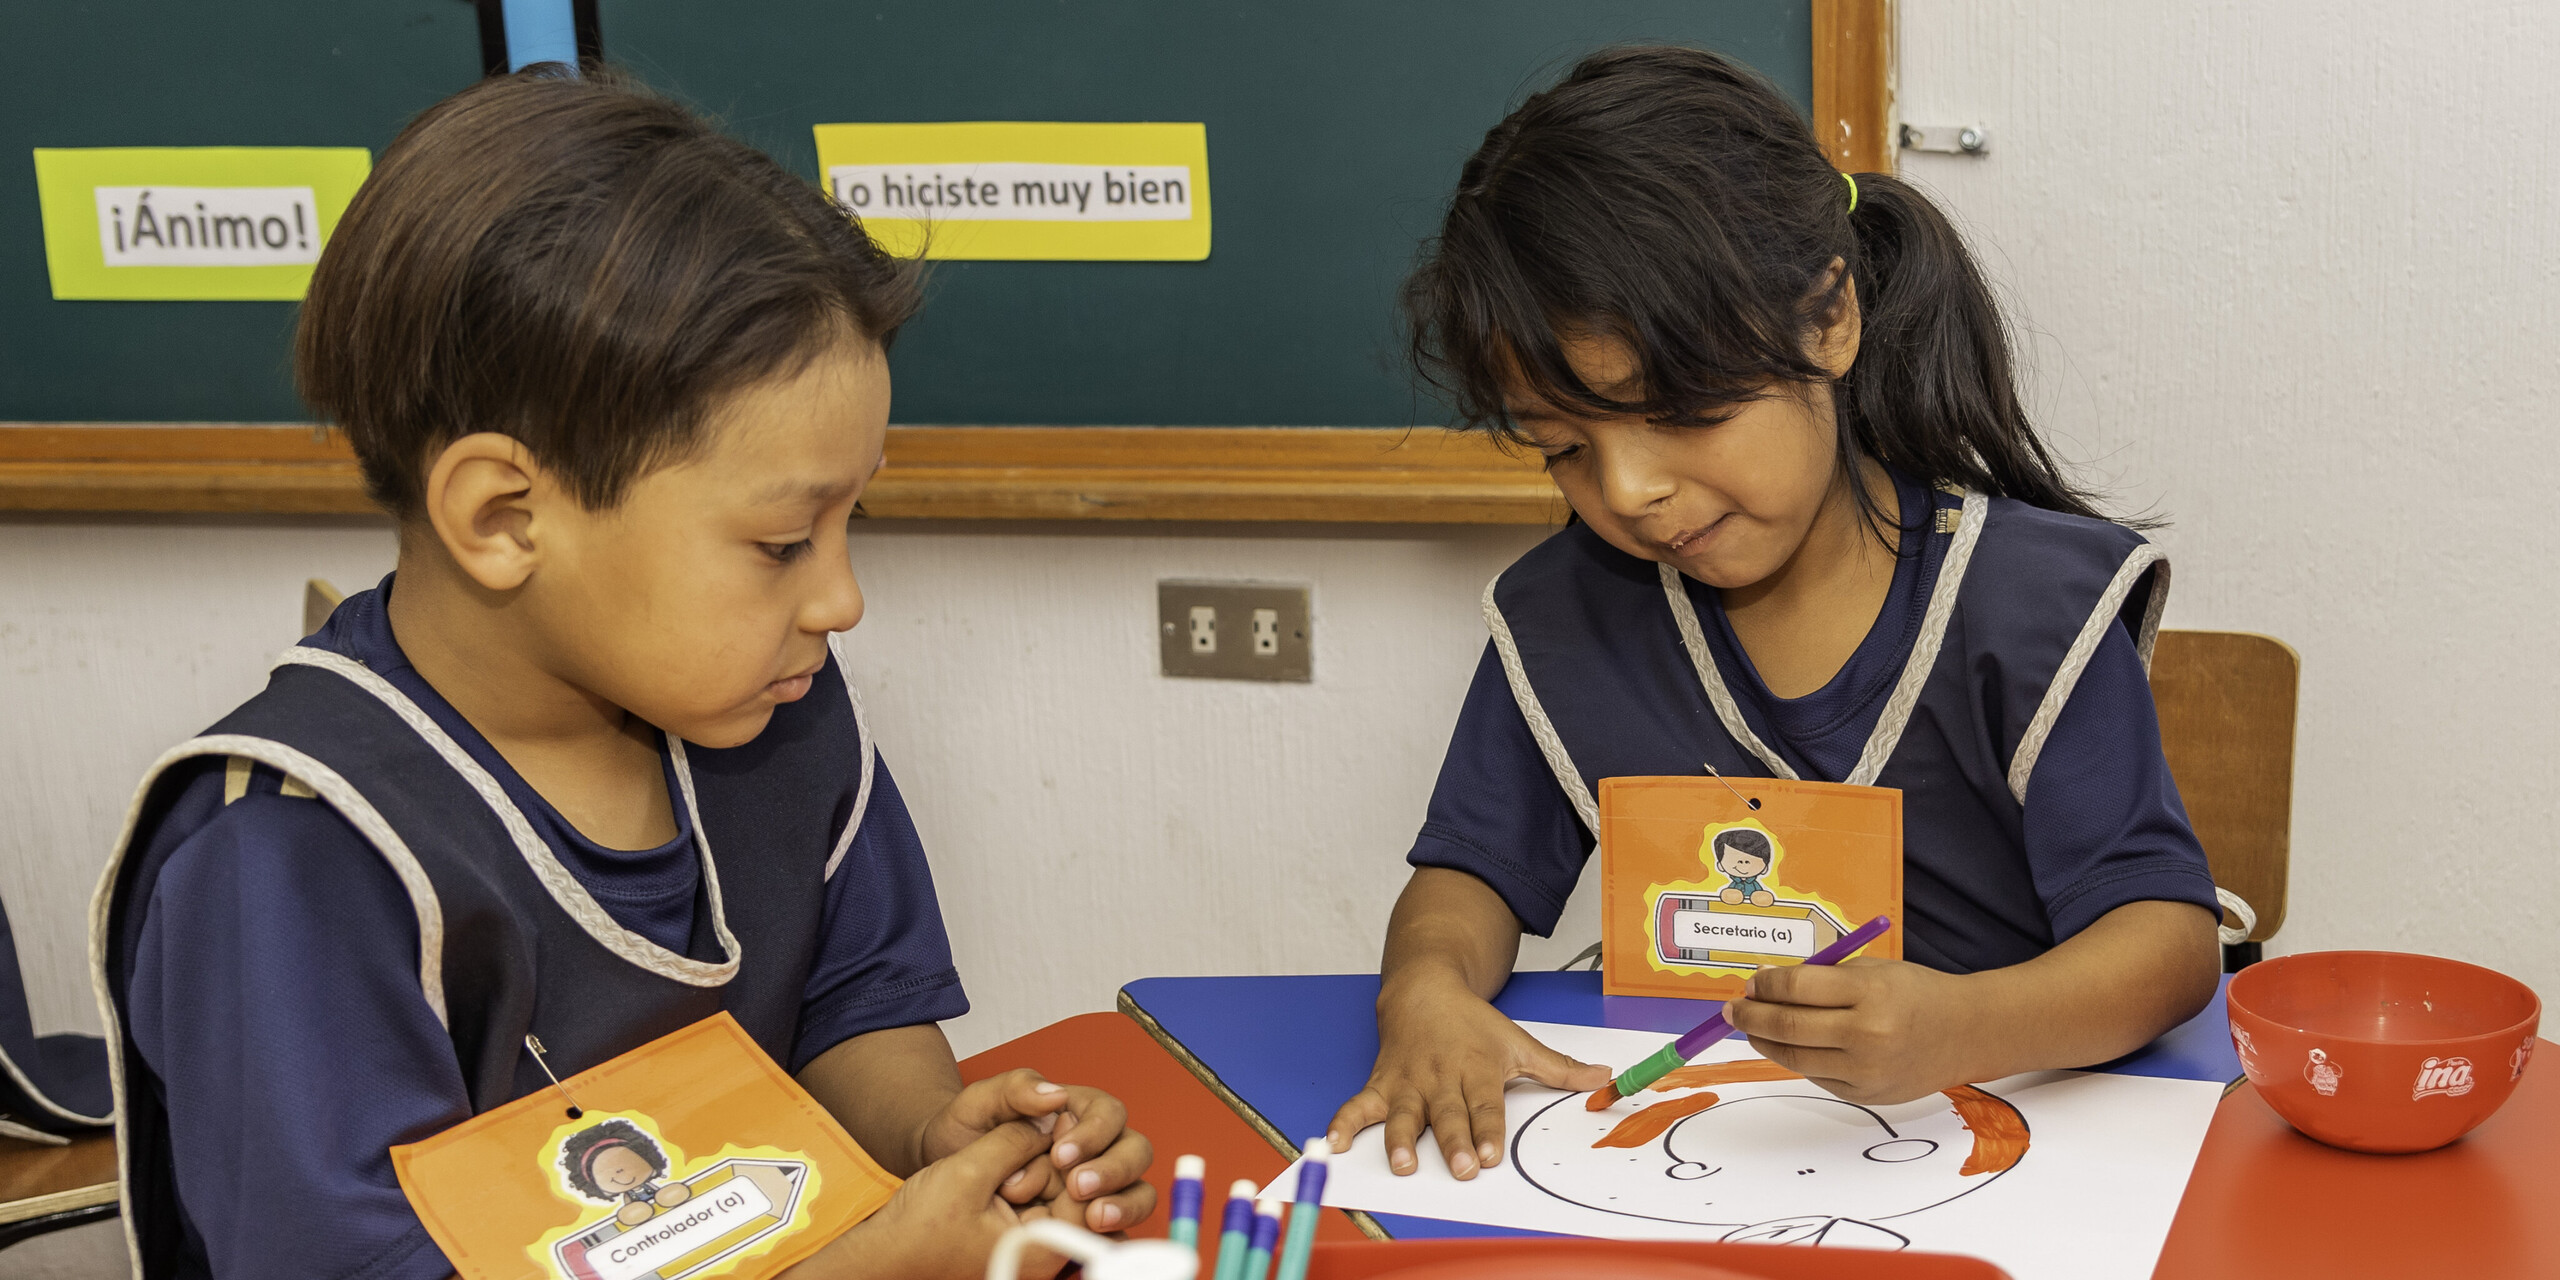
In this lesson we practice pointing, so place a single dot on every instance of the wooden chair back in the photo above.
(2226, 701)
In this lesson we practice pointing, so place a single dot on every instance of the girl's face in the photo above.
(1729, 504)
(619, 1169)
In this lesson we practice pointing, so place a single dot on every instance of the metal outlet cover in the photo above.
(1234, 657)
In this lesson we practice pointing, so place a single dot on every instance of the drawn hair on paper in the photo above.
(1798, 1167)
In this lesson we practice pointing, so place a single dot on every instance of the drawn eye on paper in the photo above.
(1792, 1165)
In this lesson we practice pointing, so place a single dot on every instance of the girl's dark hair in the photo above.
(573, 1154)
(581, 265)
(1671, 198)
(1746, 840)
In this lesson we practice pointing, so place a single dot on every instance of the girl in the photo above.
(1816, 537)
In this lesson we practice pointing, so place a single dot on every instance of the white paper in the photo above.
(2107, 1160)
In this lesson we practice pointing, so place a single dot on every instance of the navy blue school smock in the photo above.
(2036, 798)
(341, 911)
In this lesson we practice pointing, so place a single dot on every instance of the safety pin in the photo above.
(1718, 775)
(534, 1043)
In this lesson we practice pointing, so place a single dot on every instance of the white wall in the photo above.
(2289, 271)
(2285, 268)
(1090, 821)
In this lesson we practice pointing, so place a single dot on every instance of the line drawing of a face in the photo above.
(620, 1169)
(1797, 1165)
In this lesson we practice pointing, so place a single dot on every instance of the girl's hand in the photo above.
(1444, 1055)
(1871, 1031)
(1091, 1171)
(942, 1224)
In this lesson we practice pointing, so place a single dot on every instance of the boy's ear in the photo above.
(482, 496)
(1834, 342)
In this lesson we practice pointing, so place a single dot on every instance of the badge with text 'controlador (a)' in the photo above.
(690, 1156)
(191, 223)
(1705, 880)
(1017, 191)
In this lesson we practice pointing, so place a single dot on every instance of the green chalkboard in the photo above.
(181, 73)
(1336, 128)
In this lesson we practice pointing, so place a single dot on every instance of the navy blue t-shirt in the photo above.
(275, 991)
(2103, 822)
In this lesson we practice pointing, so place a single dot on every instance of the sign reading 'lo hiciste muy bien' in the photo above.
(997, 191)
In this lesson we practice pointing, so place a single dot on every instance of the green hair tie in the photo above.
(1853, 191)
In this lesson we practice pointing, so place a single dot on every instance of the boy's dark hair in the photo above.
(581, 265)
(1673, 199)
(574, 1153)
(1747, 841)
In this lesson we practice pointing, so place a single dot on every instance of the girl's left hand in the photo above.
(1092, 1174)
(1871, 1031)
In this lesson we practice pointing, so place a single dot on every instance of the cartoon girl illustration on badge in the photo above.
(1745, 855)
(1791, 1165)
(616, 1161)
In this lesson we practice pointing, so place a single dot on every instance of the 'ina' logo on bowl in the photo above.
(2448, 1076)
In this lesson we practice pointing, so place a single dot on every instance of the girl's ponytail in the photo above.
(1932, 394)
(1673, 199)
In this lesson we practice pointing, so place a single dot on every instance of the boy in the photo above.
(621, 381)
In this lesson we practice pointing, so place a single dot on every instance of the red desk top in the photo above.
(2264, 1200)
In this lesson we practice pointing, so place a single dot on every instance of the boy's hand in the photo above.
(1444, 1055)
(944, 1221)
(1872, 1031)
(1090, 1169)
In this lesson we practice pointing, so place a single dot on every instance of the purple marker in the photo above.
(1185, 1228)
(1266, 1233)
(1632, 1081)
(1235, 1233)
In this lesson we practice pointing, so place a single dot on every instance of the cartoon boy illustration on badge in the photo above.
(1745, 855)
(616, 1161)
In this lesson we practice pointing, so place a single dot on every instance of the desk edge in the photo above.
(1244, 1111)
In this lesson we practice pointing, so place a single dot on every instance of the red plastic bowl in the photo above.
(2380, 1051)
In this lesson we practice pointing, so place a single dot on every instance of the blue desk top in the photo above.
(1295, 1048)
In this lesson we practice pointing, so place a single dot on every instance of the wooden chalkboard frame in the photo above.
(1389, 475)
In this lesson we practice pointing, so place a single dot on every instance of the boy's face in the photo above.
(704, 599)
(1735, 862)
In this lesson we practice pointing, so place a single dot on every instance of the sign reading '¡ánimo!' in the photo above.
(191, 223)
(1025, 192)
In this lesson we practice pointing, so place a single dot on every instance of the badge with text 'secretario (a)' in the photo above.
(191, 223)
(1701, 886)
(1036, 191)
(691, 1156)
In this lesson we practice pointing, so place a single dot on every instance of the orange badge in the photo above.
(692, 1155)
(1700, 886)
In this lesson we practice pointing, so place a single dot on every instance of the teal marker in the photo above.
(1302, 1218)
(1235, 1233)
(1185, 1228)
(1266, 1232)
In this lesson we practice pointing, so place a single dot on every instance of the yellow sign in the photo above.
(994, 191)
(191, 222)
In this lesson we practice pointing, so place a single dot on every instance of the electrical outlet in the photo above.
(1276, 641)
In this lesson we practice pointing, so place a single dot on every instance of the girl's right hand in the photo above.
(1444, 1056)
(944, 1221)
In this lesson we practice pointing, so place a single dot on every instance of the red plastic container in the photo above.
(2382, 1051)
